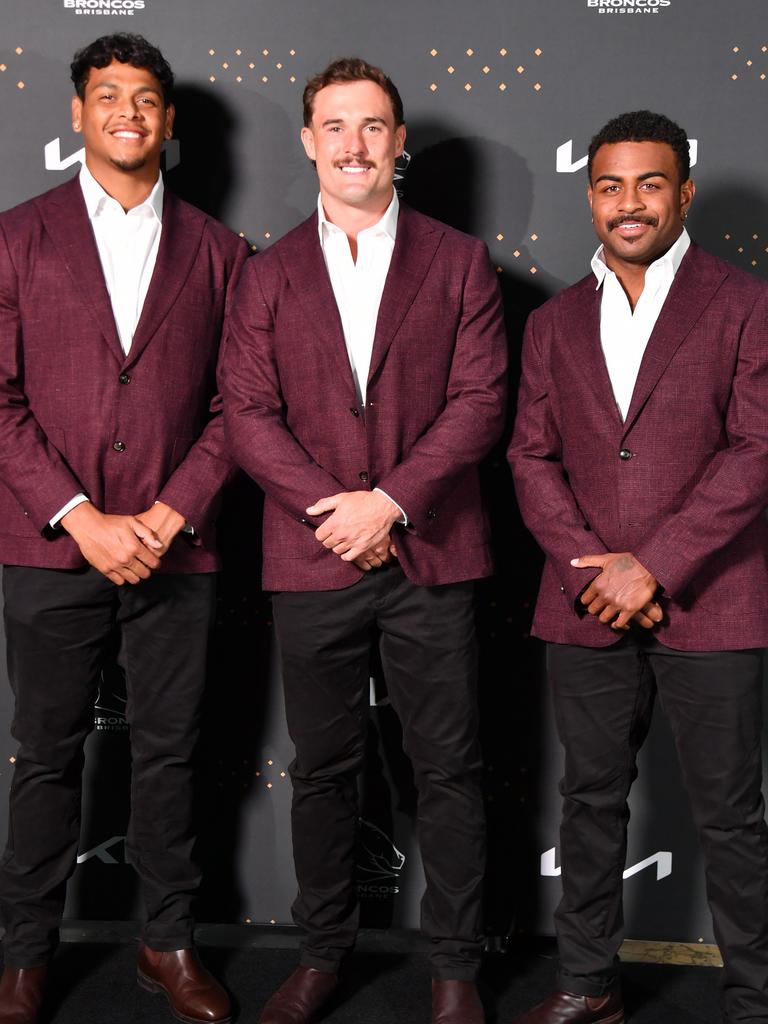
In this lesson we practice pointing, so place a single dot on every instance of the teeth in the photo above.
(354, 170)
(127, 135)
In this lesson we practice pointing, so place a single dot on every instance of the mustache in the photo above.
(617, 221)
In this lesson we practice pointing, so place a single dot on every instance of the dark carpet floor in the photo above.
(96, 983)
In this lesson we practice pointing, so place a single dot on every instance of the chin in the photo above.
(130, 165)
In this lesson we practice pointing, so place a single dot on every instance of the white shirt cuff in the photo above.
(72, 503)
(403, 520)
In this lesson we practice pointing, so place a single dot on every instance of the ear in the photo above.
(77, 114)
(308, 141)
(399, 140)
(687, 192)
(170, 114)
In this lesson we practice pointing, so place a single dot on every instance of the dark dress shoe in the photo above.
(456, 1002)
(21, 994)
(566, 1008)
(300, 997)
(193, 993)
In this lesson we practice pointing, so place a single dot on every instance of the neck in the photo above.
(353, 219)
(129, 188)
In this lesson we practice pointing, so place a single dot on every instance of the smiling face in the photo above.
(124, 120)
(354, 143)
(638, 201)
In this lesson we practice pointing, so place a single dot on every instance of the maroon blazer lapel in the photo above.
(580, 326)
(695, 284)
(304, 266)
(179, 245)
(66, 221)
(415, 246)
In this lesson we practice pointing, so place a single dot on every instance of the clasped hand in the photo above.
(358, 529)
(125, 549)
(622, 592)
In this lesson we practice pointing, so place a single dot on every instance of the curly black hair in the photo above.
(644, 126)
(127, 49)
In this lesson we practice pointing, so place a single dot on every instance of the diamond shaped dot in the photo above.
(470, 52)
(279, 67)
(264, 78)
(433, 51)
(503, 52)
(212, 78)
(292, 53)
(735, 49)
(265, 52)
(520, 69)
(19, 85)
(503, 86)
(740, 249)
(727, 238)
(538, 51)
(534, 237)
(499, 237)
(19, 50)
(537, 87)
(486, 69)
(212, 52)
(451, 69)
(293, 78)
(3, 67)
(467, 87)
(749, 63)
(533, 270)
(225, 65)
(239, 78)
(251, 65)
(516, 253)
(734, 77)
(433, 87)
(239, 53)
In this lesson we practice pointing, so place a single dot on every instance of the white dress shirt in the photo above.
(624, 334)
(358, 286)
(127, 244)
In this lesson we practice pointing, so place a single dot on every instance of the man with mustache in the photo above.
(640, 457)
(364, 380)
(112, 454)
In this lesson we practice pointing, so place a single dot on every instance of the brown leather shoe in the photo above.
(193, 993)
(300, 997)
(456, 1002)
(566, 1008)
(21, 994)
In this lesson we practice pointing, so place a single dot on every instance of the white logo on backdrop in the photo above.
(54, 161)
(628, 6)
(119, 8)
(565, 164)
(662, 860)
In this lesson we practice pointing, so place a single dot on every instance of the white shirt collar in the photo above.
(671, 259)
(95, 197)
(387, 225)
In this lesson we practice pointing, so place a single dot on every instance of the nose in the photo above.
(631, 200)
(129, 108)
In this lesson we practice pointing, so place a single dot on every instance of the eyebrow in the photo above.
(116, 85)
(366, 120)
(640, 177)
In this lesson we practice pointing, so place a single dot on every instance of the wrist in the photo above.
(79, 516)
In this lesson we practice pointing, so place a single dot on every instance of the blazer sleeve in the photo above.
(193, 486)
(733, 490)
(30, 466)
(254, 415)
(473, 416)
(547, 503)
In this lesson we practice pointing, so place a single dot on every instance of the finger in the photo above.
(608, 614)
(642, 620)
(624, 618)
(589, 561)
(129, 575)
(138, 569)
(145, 557)
(653, 611)
(324, 505)
(342, 547)
(619, 629)
(145, 534)
(115, 578)
(324, 532)
(393, 550)
(596, 606)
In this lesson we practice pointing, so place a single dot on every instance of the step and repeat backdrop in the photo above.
(501, 99)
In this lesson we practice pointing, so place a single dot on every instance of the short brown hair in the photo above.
(351, 69)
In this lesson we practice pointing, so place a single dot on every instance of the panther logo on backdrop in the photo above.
(379, 863)
(113, 8)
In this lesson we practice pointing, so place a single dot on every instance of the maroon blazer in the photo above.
(76, 413)
(434, 407)
(682, 483)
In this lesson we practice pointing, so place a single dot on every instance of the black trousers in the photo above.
(428, 653)
(603, 703)
(58, 625)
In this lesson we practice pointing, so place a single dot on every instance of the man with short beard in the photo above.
(364, 380)
(112, 302)
(640, 457)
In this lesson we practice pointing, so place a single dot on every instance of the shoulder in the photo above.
(217, 233)
(702, 265)
(34, 210)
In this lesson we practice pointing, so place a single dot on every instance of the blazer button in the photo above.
(354, 411)
(431, 513)
(625, 454)
(119, 446)
(124, 378)
(363, 476)
(562, 590)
